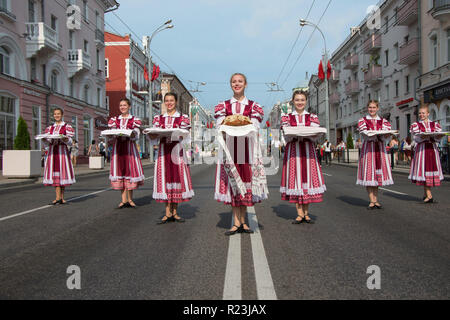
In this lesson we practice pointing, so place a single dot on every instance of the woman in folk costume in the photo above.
(246, 169)
(58, 171)
(126, 173)
(374, 167)
(426, 169)
(172, 179)
(301, 180)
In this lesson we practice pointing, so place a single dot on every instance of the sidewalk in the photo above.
(81, 170)
(401, 169)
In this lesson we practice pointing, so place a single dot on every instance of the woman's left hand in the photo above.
(65, 139)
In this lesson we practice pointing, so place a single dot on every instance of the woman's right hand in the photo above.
(153, 136)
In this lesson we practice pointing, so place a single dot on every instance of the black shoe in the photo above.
(298, 221)
(245, 230)
(122, 205)
(378, 206)
(61, 202)
(179, 219)
(54, 202)
(230, 233)
(166, 220)
(371, 207)
(309, 221)
(129, 205)
(430, 200)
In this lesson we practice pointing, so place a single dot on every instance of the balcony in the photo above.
(334, 77)
(373, 75)
(372, 44)
(99, 37)
(351, 61)
(40, 37)
(409, 52)
(5, 13)
(408, 13)
(352, 88)
(335, 98)
(78, 60)
(441, 10)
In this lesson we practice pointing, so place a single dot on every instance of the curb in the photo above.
(446, 176)
(28, 182)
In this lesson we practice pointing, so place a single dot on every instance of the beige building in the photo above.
(171, 83)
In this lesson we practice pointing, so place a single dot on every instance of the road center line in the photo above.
(401, 193)
(49, 206)
(326, 174)
(232, 289)
(264, 284)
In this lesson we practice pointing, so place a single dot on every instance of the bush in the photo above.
(350, 141)
(22, 139)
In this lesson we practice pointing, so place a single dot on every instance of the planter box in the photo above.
(96, 162)
(21, 163)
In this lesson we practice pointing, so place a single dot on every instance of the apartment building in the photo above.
(49, 59)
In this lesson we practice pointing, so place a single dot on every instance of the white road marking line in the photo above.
(232, 289)
(401, 193)
(49, 206)
(264, 283)
(326, 174)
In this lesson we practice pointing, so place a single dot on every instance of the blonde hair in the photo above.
(425, 106)
(238, 74)
(373, 101)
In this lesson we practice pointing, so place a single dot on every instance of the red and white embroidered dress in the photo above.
(426, 169)
(374, 167)
(240, 151)
(172, 182)
(126, 168)
(301, 179)
(58, 170)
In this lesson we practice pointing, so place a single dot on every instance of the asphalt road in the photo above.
(124, 254)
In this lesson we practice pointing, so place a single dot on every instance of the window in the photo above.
(86, 93)
(107, 68)
(433, 116)
(397, 123)
(85, 11)
(107, 102)
(98, 59)
(448, 45)
(434, 52)
(430, 4)
(98, 23)
(33, 69)
(377, 95)
(71, 40)
(447, 119)
(396, 51)
(86, 46)
(396, 88)
(74, 124)
(54, 81)
(31, 12)
(386, 92)
(7, 122)
(5, 61)
(36, 127)
(54, 22)
(87, 137)
(408, 122)
(44, 73)
(407, 84)
(71, 87)
(99, 97)
(386, 24)
(386, 58)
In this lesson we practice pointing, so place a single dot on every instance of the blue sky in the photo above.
(212, 39)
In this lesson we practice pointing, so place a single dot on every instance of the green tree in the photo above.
(350, 141)
(22, 139)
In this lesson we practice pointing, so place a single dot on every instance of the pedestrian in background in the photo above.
(126, 173)
(58, 170)
(102, 149)
(327, 150)
(302, 181)
(93, 150)
(239, 104)
(426, 169)
(393, 145)
(172, 183)
(374, 168)
(74, 152)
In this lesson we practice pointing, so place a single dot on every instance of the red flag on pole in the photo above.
(328, 70)
(268, 124)
(145, 73)
(321, 74)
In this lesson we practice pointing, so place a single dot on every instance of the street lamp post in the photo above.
(166, 25)
(303, 22)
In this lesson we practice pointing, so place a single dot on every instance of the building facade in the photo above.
(171, 83)
(48, 60)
